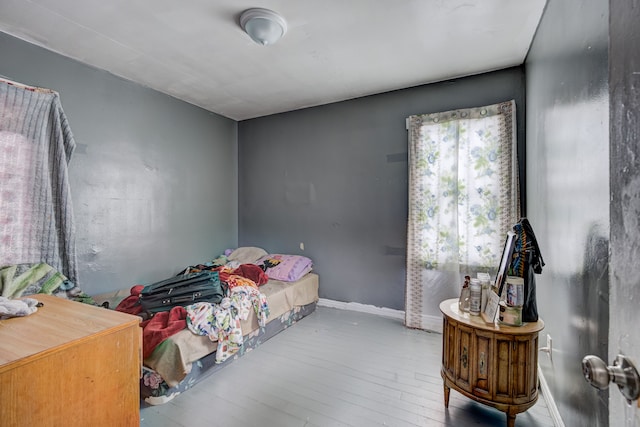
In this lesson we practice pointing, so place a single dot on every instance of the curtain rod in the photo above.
(25, 86)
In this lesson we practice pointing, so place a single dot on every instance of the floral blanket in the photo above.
(222, 322)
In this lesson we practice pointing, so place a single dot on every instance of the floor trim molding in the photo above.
(432, 323)
(548, 398)
(363, 308)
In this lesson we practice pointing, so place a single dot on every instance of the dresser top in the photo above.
(57, 324)
(449, 308)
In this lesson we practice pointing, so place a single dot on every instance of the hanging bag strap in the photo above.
(537, 262)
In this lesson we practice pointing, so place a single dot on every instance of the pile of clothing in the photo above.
(219, 321)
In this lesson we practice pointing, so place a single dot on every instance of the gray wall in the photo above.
(568, 195)
(153, 179)
(334, 177)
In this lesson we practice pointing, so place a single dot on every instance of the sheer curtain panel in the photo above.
(463, 198)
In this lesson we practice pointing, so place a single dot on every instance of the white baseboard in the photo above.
(432, 323)
(548, 398)
(363, 308)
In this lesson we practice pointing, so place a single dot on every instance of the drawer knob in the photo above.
(483, 363)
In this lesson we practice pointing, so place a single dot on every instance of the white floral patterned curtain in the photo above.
(463, 198)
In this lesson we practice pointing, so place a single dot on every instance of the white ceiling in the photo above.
(334, 50)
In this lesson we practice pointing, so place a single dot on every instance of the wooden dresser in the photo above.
(70, 364)
(493, 364)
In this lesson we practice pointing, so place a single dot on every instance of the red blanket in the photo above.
(131, 304)
(160, 327)
(252, 272)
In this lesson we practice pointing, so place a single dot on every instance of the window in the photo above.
(463, 195)
(36, 215)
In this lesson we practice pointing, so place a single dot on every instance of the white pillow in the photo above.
(247, 255)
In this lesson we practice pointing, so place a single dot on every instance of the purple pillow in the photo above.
(287, 268)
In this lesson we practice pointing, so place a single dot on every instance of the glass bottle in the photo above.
(475, 297)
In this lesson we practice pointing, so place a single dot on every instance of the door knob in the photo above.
(622, 373)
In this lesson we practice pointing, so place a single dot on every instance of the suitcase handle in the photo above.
(182, 298)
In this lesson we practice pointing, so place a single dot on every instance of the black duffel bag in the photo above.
(182, 290)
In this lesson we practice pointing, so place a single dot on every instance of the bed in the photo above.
(180, 361)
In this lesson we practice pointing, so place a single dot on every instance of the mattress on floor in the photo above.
(173, 358)
(155, 391)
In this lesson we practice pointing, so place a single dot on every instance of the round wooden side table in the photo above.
(494, 364)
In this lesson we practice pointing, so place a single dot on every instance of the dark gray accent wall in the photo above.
(334, 178)
(568, 196)
(153, 179)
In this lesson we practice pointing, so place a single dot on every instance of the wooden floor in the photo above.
(334, 368)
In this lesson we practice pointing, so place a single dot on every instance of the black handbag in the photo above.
(182, 290)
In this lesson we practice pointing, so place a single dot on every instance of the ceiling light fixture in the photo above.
(264, 26)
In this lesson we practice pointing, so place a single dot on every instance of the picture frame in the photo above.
(491, 309)
(505, 261)
(495, 293)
